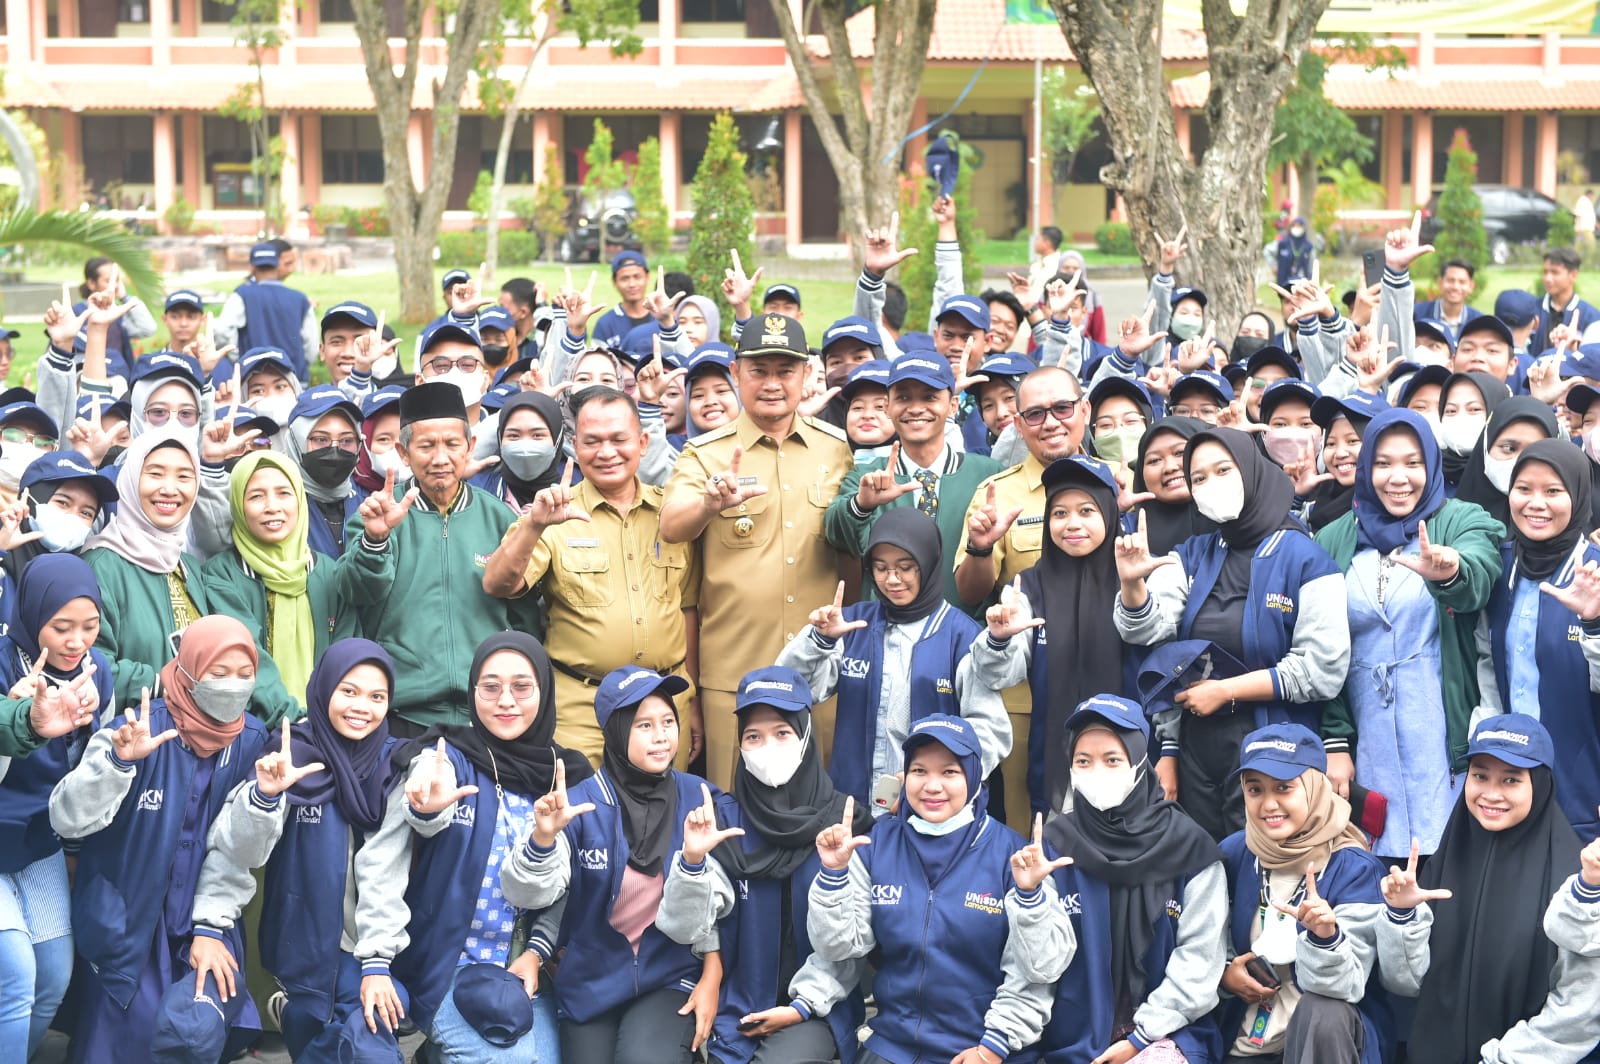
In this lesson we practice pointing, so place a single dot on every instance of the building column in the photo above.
(417, 149)
(193, 158)
(1393, 160)
(66, 19)
(1546, 145)
(188, 17)
(544, 135)
(289, 175)
(918, 145)
(671, 160)
(1421, 156)
(161, 32)
(311, 157)
(667, 34)
(165, 160)
(1513, 144)
(1180, 126)
(20, 45)
(793, 144)
(38, 22)
(71, 148)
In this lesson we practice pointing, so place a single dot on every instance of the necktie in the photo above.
(929, 503)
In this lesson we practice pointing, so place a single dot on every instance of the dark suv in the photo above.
(594, 230)
(1510, 216)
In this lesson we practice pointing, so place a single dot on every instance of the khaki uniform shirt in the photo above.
(1016, 551)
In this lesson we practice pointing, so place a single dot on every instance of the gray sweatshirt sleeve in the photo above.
(428, 826)
(1340, 969)
(693, 900)
(382, 869)
(138, 322)
(823, 984)
(211, 531)
(1162, 285)
(546, 930)
(1396, 309)
(659, 456)
(869, 305)
(816, 659)
(1325, 350)
(983, 708)
(58, 387)
(1194, 970)
(1568, 1026)
(1489, 700)
(240, 839)
(839, 920)
(229, 320)
(1056, 339)
(1040, 941)
(1157, 620)
(947, 280)
(1403, 949)
(87, 798)
(1017, 1016)
(532, 878)
(1008, 449)
(1319, 654)
(1002, 665)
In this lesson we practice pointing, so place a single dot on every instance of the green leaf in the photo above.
(101, 237)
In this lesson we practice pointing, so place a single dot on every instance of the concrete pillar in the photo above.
(193, 157)
(38, 21)
(66, 19)
(918, 145)
(165, 159)
(1512, 139)
(189, 17)
(671, 159)
(1546, 145)
(20, 44)
(1180, 125)
(1421, 156)
(1550, 56)
(667, 34)
(1393, 162)
(793, 143)
(311, 157)
(72, 149)
(289, 176)
(161, 32)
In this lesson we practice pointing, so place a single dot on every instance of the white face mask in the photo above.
(470, 385)
(59, 530)
(390, 461)
(15, 458)
(1219, 499)
(943, 827)
(277, 407)
(774, 764)
(1459, 433)
(1498, 470)
(1278, 939)
(1105, 787)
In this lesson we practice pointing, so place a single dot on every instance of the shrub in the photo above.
(516, 246)
(1562, 232)
(180, 216)
(654, 222)
(1115, 238)
(1461, 234)
(478, 200)
(724, 213)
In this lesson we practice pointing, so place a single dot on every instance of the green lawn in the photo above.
(1020, 251)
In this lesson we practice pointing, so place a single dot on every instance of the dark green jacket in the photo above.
(136, 622)
(1476, 537)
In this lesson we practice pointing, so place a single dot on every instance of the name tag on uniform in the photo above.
(749, 480)
(1034, 520)
(583, 542)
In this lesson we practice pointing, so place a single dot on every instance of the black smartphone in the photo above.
(749, 1025)
(1371, 267)
(1262, 972)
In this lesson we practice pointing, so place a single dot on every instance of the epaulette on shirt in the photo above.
(713, 435)
(828, 427)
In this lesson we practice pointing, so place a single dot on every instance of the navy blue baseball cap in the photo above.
(1515, 738)
(971, 309)
(185, 297)
(638, 344)
(496, 318)
(359, 313)
(192, 1026)
(9, 334)
(445, 329)
(1490, 324)
(29, 414)
(357, 1045)
(953, 733)
(1358, 407)
(323, 399)
(1006, 364)
(1174, 666)
(1078, 470)
(1119, 712)
(1434, 329)
(499, 396)
(781, 291)
(1516, 308)
(381, 400)
(494, 1003)
(852, 328)
(243, 417)
(628, 258)
(1426, 375)
(933, 371)
(1580, 397)
(915, 341)
(454, 277)
(110, 406)
(872, 374)
(1208, 380)
(1282, 751)
(776, 686)
(264, 254)
(1584, 362)
(707, 357)
(1272, 355)
(630, 685)
(53, 467)
(168, 364)
(1196, 294)
(1289, 388)
(1235, 374)
(1109, 386)
(944, 164)
(261, 358)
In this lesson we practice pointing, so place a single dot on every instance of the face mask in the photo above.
(58, 530)
(1296, 231)
(527, 459)
(1590, 442)
(495, 354)
(1435, 428)
(386, 462)
(1186, 326)
(277, 407)
(328, 467)
(1245, 346)
(113, 456)
(1278, 939)
(470, 385)
(775, 764)
(1105, 788)
(15, 458)
(1122, 444)
(1459, 433)
(384, 367)
(223, 700)
(944, 827)
(1220, 499)
(1498, 470)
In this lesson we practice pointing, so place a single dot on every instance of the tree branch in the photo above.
(839, 153)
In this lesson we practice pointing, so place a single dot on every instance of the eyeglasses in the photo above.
(442, 365)
(1063, 411)
(319, 441)
(1130, 420)
(521, 690)
(901, 569)
(37, 439)
(160, 415)
(1202, 411)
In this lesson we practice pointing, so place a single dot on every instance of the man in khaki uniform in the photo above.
(1004, 535)
(753, 493)
(616, 593)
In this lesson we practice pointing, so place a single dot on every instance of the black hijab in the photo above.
(915, 533)
(1475, 485)
(1491, 960)
(1169, 523)
(1083, 654)
(525, 765)
(1542, 559)
(1331, 500)
(358, 777)
(549, 412)
(1494, 392)
(1139, 849)
(648, 800)
(1268, 491)
(787, 818)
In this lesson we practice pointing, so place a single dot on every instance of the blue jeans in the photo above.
(310, 1040)
(458, 1043)
(33, 980)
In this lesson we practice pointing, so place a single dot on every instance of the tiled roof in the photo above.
(649, 91)
(1356, 90)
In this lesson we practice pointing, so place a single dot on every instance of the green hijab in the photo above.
(284, 568)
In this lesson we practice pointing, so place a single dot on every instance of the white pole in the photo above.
(1038, 146)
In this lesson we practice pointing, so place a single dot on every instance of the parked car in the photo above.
(1511, 216)
(596, 230)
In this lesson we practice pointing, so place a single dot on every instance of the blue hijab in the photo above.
(1376, 527)
(48, 583)
(939, 852)
(359, 772)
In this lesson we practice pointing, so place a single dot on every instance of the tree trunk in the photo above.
(502, 150)
(1253, 59)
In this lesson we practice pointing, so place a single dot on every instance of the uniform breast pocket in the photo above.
(586, 576)
(666, 573)
(1026, 535)
(745, 526)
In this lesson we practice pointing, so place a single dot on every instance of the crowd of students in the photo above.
(1033, 687)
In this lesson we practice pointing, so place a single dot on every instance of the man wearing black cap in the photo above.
(414, 567)
(264, 312)
(753, 492)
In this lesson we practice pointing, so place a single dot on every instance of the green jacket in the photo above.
(849, 533)
(136, 621)
(420, 594)
(17, 738)
(237, 592)
(1476, 537)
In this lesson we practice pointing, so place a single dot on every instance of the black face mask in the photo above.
(112, 455)
(1243, 347)
(495, 354)
(329, 467)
